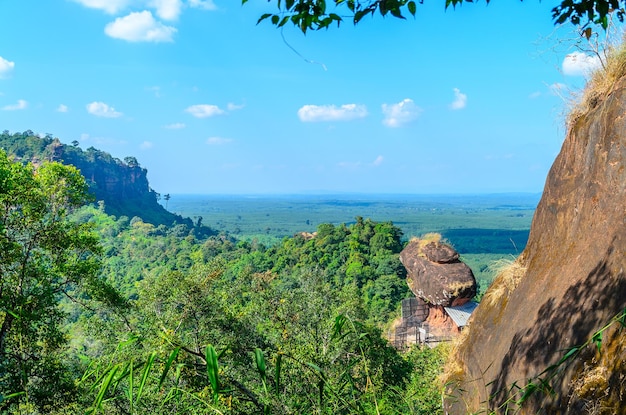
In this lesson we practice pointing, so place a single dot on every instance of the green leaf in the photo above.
(412, 8)
(335, 17)
(144, 376)
(106, 384)
(359, 15)
(396, 13)
(277, 369)
(259, 359)
(283, 21)
(275, 19)
(571, 352)
(340, 321)
(11, 395)
(597, 339)
(131, 384)
(213, 370)
(168, 365)
(263, 17)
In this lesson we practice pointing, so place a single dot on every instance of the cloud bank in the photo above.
(216, 141)
(140, 27)
(108, 6)
(580, 64)
(21, 105)
(401, 113)
(318, 113)
(205, 110)
(100, 109)
(202, 4)
(460, 100)
(167, 9)
(6, 67)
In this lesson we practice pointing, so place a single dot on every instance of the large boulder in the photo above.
(435, 273)
(544, 338)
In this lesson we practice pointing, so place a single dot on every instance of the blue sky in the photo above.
(458, 101)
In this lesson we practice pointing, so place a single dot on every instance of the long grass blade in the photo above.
(277, 370)
(259, 359)
(11, 395)
(144, 376)
(213, 370)
(106, 384)
(168, 365)
(131, 384)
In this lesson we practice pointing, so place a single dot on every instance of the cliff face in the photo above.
(570, 282)
(122, 185)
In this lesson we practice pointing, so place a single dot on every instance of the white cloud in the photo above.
(62, 108)
(146, 145)
(175, 126)
(379, 160)
(216, 141)
(316, 113)
(349, 164)
(140, 27)
(234, 107)
(21, 104)
(109, 6)
(460, 100)
(167, 9)
(204, 110)
(100, 109)
(156, 90)
(6, 67)
(579, 63)
(535, 95)
(202, 4)
(401, 113)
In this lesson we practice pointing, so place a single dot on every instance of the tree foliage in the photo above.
(43, 256)
(319, 14)
(205, 324)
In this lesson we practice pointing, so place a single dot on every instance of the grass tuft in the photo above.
(509, 275)
(601, 82)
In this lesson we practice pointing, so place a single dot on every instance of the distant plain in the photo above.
(484, 229)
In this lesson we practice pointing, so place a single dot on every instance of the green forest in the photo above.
(115, 315)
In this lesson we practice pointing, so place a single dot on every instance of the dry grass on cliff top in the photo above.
(509, 273)
(601, 82)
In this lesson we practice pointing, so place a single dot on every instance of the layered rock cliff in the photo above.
(570, 281)
(122, 185)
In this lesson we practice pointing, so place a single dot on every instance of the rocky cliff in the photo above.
(122, 185)
(520, 353)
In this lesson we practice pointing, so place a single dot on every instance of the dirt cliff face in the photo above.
(571, 282)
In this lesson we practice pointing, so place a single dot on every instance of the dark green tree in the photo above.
(43, 257)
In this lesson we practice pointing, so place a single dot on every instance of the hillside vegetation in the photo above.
(172, 320)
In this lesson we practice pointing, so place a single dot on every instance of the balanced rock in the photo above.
(436, 275)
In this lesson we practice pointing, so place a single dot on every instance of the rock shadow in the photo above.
(561, 324)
